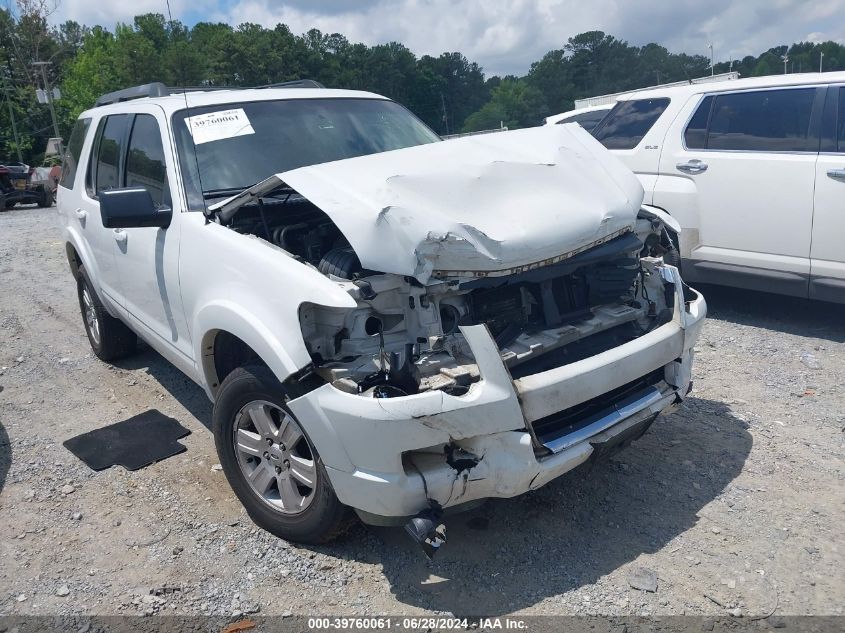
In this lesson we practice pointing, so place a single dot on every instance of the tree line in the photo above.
(449, 92)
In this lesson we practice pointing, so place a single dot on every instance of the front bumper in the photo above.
(362, 441)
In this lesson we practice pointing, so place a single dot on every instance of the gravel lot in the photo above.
(734, 505)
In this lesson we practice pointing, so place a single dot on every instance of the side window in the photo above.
(762, 121)
(840, 123)
(695, 136)
(145, 166)
(109, 151)
(587, 120)
(74, 150)
(629, 121)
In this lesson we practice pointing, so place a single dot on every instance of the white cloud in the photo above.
(506, 36)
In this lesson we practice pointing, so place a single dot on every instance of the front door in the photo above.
(148, 258)
(827, 254)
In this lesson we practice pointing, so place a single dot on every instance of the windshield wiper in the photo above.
(233, 191)
(224, 193)
(270, 187)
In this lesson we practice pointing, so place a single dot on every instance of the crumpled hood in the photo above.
(475, 206)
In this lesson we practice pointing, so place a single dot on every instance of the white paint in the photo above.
(474, 205)
(482, 203)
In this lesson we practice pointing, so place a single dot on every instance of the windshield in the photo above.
(228, 147)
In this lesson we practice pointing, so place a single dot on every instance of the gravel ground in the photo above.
(734, 505)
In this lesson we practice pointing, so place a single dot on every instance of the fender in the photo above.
(250, 288)
(283, 358)
(663, 216)
(89, 262)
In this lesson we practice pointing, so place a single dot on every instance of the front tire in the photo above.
(109, 337)
(270, 462)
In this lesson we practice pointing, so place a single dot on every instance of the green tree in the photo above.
(514, 103)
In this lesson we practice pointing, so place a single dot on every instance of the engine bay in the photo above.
(404, 337)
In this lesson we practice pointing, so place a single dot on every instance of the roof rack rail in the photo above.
(158, 89)
(296, 83)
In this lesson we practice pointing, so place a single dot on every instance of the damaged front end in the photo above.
(478, 361)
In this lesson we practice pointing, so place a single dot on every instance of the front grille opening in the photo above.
(512, 308)
(577, 417)
(579, 350)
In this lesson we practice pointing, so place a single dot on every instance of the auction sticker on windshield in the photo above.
(216, 126)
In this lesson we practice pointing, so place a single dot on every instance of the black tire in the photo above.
(45, 198)
(325, 517)
(114, 340)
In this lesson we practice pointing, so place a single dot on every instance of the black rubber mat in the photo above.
(141, 440)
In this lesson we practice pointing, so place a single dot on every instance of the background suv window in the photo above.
(109, 150)
(628, 122)
(145, 166)
(762, 121)
(695, 136)
(74, 151)
(587, 120)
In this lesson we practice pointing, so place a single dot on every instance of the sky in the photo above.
(505, 36)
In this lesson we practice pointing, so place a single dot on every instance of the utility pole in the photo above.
(712, 63)
(49, 91)
(785, 59)
(14, 124)
(445, 118)
(821, 61)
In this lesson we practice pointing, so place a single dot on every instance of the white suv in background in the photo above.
(754, 172)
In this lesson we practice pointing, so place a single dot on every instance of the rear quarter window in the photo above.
(695, 136)
(70, 164)
(628, 122)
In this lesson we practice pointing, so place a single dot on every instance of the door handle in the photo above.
(693, 166)
(836, 174)
(120, 236)
(81, 214)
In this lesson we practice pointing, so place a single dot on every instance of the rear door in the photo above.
(827, 253)
(750, 159)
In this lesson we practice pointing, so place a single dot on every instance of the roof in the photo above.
(200, 98)
(769, 81)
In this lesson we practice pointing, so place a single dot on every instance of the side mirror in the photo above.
(132, 207)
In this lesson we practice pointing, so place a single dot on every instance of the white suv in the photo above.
(754, 172)
(384, 321)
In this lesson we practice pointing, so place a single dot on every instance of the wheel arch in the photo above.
(230, 338)
(79, 256)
